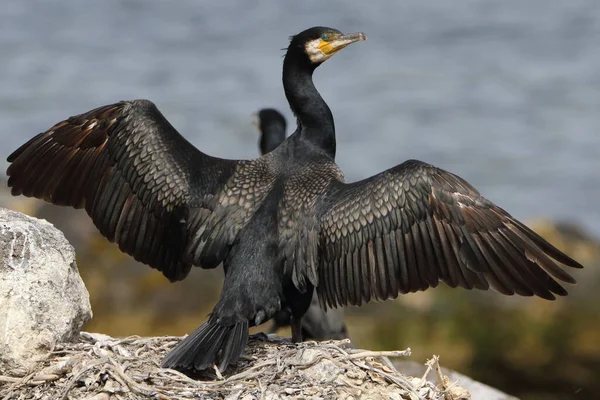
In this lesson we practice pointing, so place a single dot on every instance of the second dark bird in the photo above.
(317, 323)
(281, 224)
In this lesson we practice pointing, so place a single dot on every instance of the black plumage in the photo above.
(317, 323)
(271, 125)
(281, 224)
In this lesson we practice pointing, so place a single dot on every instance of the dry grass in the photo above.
(100, 367)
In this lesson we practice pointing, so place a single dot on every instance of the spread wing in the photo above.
(145, 187)
(411, 226)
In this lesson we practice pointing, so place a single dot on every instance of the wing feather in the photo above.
(144, 186)
(414, 225)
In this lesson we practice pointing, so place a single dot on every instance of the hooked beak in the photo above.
(330, 47)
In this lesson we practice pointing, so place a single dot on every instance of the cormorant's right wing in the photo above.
(409, 227)
(145, 186)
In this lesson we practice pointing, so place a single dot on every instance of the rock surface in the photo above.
(43, 300)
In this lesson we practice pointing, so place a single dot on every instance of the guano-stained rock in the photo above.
(43, 300)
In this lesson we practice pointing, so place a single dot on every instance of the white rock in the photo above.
(43, 300)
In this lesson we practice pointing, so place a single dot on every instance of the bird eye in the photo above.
(323, 37)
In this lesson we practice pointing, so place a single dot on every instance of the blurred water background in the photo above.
(505, 94)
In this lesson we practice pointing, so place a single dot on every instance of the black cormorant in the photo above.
(317, 323)
(271, 125)
(281, 224)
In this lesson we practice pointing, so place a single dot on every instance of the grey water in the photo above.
(504, 93)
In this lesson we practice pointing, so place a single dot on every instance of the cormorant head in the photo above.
(271, 125)
(320, 43)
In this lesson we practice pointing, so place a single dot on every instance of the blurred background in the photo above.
(505, 94)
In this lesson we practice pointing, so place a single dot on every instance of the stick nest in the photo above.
(100, 367)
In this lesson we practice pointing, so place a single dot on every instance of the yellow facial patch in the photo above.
(327, 47)
(320, 49)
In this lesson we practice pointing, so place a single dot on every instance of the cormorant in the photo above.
(281, 224)
(317, 323)
(271, 125)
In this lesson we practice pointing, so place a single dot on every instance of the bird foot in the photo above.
(260, 336)
(270, 337)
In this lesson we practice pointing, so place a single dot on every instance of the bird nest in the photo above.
(99, 367)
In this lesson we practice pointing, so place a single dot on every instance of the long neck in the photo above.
(315, 121)
(273, 134)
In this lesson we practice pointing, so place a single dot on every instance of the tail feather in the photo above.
(236, 341)
(210, 344)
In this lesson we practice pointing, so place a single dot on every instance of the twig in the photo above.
(36, 380)
(401, 381)
(120, 368)
(365, 354)
(217, 372)
(76, 378)
(427, 371)
(246, 373)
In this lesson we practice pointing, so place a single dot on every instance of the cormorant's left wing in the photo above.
(413, 225)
